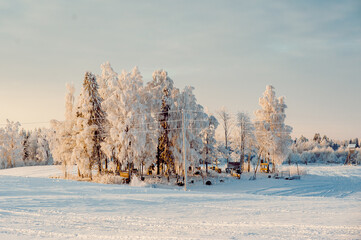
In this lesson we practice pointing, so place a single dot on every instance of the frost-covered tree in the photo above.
(43, 155)
(317, 138)
(62, 140)
(273, 135)
(89, 132)
(300, 144)
(55, 142)
(38, 149)
(245, 136)
(11, 148)
(146, 125)
(25, 136)
(321, 150)
(165, 154)
(125, 114)
(302, 139)
(227, 123)
(161, 106)
(195, 122)
(209, 150)
(107, 80)
(32, 146)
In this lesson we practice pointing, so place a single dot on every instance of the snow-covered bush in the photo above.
(136, 182)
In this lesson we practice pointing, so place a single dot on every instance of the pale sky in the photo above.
(310, 51)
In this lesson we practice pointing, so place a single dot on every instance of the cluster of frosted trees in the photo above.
(19, 148)
(36, 149)
(118, 123)
(267, 137)
(322, 150)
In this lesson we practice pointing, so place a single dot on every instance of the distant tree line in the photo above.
(322, 150)
(23, 148)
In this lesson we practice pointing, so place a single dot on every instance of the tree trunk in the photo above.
(206, 158)
(243, 137)
(99, 162)
(168, 171)
(129, 171)
(158, 160)
(65, 171)
(241, 163)
(118, 167)
(106, 163)
(90, 172)
(249, 162)
(258, 162)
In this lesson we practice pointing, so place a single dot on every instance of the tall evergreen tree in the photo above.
(89, 128)
(161, 105)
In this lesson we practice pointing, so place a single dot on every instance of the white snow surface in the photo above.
(324, 204)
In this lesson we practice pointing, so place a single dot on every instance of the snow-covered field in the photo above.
(324, 204)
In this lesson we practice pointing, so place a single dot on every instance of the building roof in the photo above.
(352, 145)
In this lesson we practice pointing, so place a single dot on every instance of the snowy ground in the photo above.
(324, 204)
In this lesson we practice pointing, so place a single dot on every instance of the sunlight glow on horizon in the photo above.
(228, 50)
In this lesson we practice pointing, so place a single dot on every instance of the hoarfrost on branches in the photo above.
(273, 135)
(11, 148)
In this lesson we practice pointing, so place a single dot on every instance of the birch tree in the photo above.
(62, 140)
(209, 142)
(127, 132)
(226, 121)
(245, 136)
